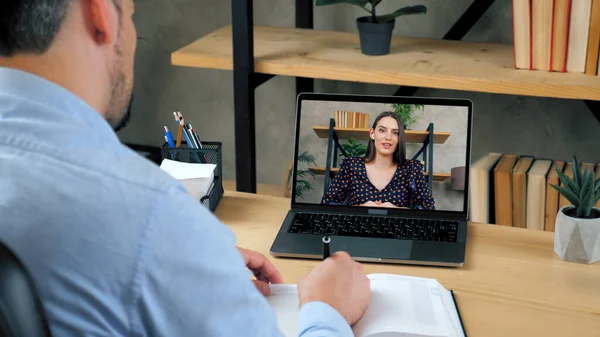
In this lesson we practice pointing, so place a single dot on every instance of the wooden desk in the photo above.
(512, 283)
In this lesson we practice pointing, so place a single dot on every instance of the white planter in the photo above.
(577, 240)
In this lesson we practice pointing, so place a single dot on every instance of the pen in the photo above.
(188, 128)
(195, 136)
(179, 129)
(169, 138)
(326, 240)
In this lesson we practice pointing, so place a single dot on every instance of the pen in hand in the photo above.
(326, 240)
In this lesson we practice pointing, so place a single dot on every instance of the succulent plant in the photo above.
(581, 190)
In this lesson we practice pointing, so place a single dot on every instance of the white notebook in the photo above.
(400, 306)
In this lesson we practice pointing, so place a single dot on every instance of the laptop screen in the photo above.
(382, 152)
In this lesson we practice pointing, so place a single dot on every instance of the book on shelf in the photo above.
(503, 191)
(541, 33)
(568, 171)
(482, 195)
(592, 60)
(561, 18)
(551, 207)
(351, 119)
(515, 190)
(536, 193)
(578, 35)
(556, 35)
(520, 190)
(521, 12)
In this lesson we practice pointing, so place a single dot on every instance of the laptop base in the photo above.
(370, 249)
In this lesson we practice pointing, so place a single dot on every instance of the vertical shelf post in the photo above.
(243, 95)
(430, 156)
(328, 160)
(304, 19)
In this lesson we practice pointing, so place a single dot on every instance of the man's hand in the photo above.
(264, 271)
(340, 282)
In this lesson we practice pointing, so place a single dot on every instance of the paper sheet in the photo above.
(400, 306)
(196, 178)
(181, 170)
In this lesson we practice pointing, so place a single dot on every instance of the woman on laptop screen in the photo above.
(384, 177)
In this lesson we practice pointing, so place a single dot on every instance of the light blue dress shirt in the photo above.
(115, 245)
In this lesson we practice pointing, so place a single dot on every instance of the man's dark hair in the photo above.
(30, 26)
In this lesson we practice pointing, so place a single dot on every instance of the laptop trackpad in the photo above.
(372, 248)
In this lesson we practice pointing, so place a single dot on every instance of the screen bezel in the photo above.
(329, 97)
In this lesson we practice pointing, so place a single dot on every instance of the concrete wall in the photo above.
(446, 156)
(542, 127)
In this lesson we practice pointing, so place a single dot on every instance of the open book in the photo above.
(400, 306)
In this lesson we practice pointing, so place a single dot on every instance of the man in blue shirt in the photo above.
(115, 246)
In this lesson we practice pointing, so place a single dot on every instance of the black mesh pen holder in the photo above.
(210, 153)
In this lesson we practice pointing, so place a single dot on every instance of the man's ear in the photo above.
(103, 21)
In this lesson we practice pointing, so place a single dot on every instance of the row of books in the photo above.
(511, 190)
(557, 35)
(351, 119)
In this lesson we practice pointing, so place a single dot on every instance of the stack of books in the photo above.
(557, 35)
(514, 190)
(351, 119)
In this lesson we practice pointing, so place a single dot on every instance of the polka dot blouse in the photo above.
(408, 183)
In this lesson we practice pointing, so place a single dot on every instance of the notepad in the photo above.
(196, 178)
(400, 306)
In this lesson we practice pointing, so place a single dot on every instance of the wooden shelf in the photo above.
(429, 63)
(321, 171)
(363, 134)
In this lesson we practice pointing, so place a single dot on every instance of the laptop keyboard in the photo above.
(375, 227)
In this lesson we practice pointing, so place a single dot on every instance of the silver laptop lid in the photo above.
(428, 155)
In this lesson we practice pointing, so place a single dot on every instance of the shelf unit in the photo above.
(411, 136)
(333, 135)
(257, 53)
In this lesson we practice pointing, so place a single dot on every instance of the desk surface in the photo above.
(512, 283)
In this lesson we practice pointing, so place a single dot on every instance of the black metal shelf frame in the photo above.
(246, 80)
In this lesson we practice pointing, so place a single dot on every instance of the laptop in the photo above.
(347, 187)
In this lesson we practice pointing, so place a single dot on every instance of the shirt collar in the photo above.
(33, 88)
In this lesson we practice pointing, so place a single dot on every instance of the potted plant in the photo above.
(375, 31)
(577, 232)
(407, 113)
(354, 149)
(303, 185)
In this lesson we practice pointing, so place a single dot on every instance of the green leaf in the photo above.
(568, 182)
(585, 208)
(352, 141)
(576, 171)
(597, 198)
(572, 197)
(408, 10)
(360, 3)
(586, 184)
(305, 157)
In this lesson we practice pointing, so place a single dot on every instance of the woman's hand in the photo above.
(372, 204)
(388, 205)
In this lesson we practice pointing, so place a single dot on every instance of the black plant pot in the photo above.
(375, 38)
